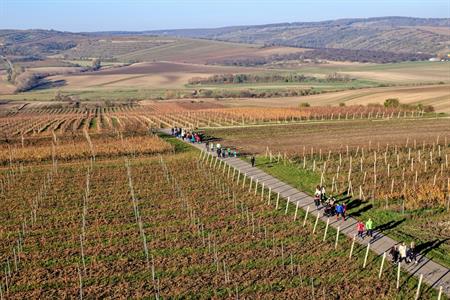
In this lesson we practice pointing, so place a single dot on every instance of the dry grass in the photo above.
(436, 95)
(5, 87)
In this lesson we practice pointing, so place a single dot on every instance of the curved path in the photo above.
(434, 274)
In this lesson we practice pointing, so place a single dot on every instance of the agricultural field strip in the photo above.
(33, 121)
(306, 122)
(434, 274)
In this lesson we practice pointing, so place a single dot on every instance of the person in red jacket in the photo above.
(344, 210)
(361, 227)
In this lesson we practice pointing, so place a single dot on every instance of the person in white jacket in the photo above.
(317, 196)
(403, 250)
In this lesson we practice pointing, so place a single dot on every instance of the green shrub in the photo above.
(392, 102)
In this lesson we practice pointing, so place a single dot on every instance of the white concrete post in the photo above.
(306, 216)
(287, 205)
(326, 230)
(440, 293)
(353, 246)
(262, 192)
(418, 287)
(337, 237)
(278, 201)
(382, 265)
(365, 257)
(317, 221)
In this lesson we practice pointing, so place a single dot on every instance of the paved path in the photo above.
(434, 274)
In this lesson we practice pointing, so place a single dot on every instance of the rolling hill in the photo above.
(389, 34)
(393, 34)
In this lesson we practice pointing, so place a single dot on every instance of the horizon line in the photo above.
(230, 26)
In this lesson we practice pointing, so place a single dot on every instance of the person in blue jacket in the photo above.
(339, 211)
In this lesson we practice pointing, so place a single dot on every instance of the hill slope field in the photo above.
(22, 46)
(137, 49)
(396, 34)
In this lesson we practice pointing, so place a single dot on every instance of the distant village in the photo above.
(441, 58)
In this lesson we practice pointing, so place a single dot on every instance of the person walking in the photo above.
(402, 250)
(360, 227)
(339, 211)
(317, 196)
(369, 227)
(412, 253)
(394, 254)
(253, 160)
(344, 210)
(323, 193)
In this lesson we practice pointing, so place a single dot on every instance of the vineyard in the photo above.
(409, 177)
(34, 121)
(62, 149)
(94, 204)
(165, 227)
(405, 185)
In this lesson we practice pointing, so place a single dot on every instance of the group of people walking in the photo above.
(186, 135)
(402, 252)
(398, 253)
(330, 204)
(333, 208)
(195, 137)
(366, 228)
(221, 151)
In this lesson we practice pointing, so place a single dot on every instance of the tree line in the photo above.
(367, 56)
(267, 78)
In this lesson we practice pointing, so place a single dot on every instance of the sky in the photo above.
(129, 15)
